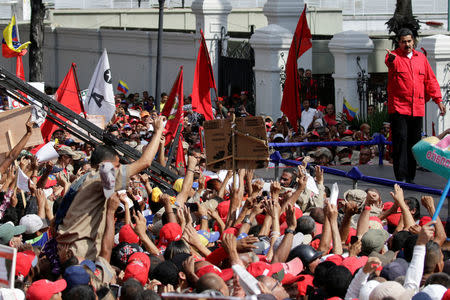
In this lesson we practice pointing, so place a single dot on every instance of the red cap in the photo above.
(261, 268)
(138, 267)
(230, 230)
(351, 233)
(353, 263)
(298, 214)
(127, 234)
(424, 220)
(319, 228)
(169, 233)
(223, 208)
(337, 259)
(44, 289)
(225, 274)
(348, 132)
(24, 261)
(303, 282)
(394, 219)
(446, 295)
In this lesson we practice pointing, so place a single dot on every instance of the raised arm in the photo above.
(149, 153)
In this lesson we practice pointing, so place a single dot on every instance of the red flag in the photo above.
(203, 82)
(173, 109)
(301, 42)
(19, 72)
(180, 161)
(68, 95)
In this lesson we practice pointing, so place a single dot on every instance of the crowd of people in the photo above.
(90, 227)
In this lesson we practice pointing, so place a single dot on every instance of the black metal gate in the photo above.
(236, 68)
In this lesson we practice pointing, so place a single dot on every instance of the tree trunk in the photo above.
(36, 61)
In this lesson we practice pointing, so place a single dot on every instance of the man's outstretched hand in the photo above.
(391, 56)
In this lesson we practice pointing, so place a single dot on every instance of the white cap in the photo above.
(32, 223)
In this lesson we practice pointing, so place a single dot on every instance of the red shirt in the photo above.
(411, 83)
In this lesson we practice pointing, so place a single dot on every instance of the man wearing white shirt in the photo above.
(308, 115)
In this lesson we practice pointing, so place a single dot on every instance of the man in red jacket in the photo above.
(411, 83)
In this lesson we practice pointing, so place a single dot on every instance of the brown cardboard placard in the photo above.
(12, 129)
(98, 120)
(251, 149)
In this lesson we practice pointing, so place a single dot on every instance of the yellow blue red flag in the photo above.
(122, 87)
(348, 110)
(11, 46)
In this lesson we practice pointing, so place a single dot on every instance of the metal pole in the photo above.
(158, 54)
(448, 15)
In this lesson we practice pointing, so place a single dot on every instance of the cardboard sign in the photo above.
(98, 120)
(7, 266)
(12, 129)
(251, 149)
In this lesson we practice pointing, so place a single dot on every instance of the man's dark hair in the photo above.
(412, 203)
(339, 278)
(176, 247)
(321, 273)
(399, 240)
(317, 214)
(166, 273)
(163, 94)
(102, 153)
(439, 278)
(84, 292)
(306, 225)
(408, 247)
(404, 32)
(131, 289)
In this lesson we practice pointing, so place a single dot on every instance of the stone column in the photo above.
(211, 16)
(346, 46)
(268, 43)
(438, 54)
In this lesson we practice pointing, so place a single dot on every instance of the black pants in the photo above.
(406, 131)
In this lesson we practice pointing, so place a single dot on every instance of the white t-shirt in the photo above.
(307, 117)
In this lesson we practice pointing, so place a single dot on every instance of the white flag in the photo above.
(100, 96)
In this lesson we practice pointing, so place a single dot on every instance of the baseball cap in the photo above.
(225, 274)
(435, 291)
(65, 150)
(127, 234)
(395, 269)
(169, 233)
(32, 223)
(45, 289)
(121, 253)
(8, 231)
(75, 276)
(373, 240)
(24, 261)
(138, 267)
(127, 126)
(212, 236)
(144, 114)
(353, 263)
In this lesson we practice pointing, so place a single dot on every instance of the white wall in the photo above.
(132, 56)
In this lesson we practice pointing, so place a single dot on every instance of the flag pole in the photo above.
(74, 67)
(209, 63)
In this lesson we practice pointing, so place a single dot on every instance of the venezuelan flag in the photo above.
(348, 110)
(122, 87)
(11, 47)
